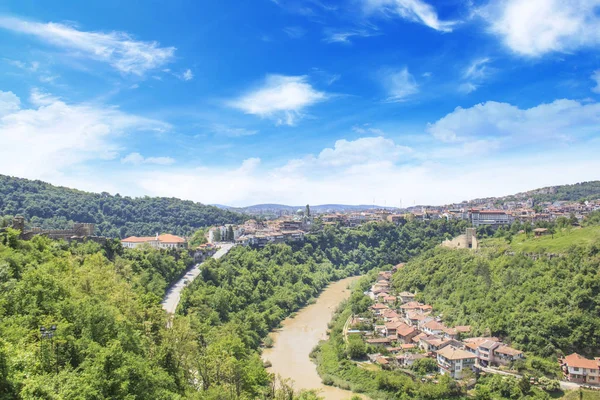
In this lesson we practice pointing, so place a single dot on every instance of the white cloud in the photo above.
(333, 36)
(399, 84)
(376, 173)
(31, 67)
(53, 138)
(348, 155)
(282, 98)
(9, 103)
(187, 75)
(596, 78)
(478, 69)
(118, 49)
(294, 32)
(366, 129)
(536, 27)
(561, 120)
(138, 159)
(411, 10)
(488, 149)
(467, 87)
(229, 131)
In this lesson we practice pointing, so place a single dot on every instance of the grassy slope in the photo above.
(587, 395)
(562, 241)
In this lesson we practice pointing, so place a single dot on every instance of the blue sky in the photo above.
(301, 101)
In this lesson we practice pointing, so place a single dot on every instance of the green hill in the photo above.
(51, 206)
(560, 242)
(543, 305)
(575, 192)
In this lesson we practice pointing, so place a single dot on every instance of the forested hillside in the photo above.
(259, 288)
(112, 339)
(575, 192)
(51, 206)
(546, 305)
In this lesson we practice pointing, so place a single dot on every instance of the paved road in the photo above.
(173, 295)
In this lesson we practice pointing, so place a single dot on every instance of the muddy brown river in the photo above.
(299, 335)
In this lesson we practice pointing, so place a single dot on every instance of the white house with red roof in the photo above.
(582, 370)
(165, 241)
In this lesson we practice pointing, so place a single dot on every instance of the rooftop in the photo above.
(578, 361)
(453, 353)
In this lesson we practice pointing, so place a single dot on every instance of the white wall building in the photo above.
(166, 241)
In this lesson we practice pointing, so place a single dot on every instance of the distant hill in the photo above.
(576, 192)
(57, 207)
(321, 208)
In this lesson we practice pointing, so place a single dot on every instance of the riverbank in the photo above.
(294, 341)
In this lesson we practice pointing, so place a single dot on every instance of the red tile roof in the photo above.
(166, 238)
(577, 361)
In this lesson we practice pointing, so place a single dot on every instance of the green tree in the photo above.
(355, 347)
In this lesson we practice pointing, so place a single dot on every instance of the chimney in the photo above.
(157, 236)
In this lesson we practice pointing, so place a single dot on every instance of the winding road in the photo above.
(171, 300)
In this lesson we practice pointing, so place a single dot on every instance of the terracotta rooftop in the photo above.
(508, 351)
(405, 330)
(166, 238)
(434, 325)
(453, 353)
(577, 361)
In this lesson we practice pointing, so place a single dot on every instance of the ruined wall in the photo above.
(466, 241)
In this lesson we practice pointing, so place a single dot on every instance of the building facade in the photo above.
(166, 241)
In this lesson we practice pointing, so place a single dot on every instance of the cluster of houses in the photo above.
(476, 214)
(164, 241)
(170, 242)
(408, 331)
(259, 234)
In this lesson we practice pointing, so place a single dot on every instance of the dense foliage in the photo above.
(251, 290)
(113, 340)
(576, 192)
(258, 288)
(544, 305)
(51, 206)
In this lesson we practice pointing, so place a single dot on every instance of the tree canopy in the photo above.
(56, 207)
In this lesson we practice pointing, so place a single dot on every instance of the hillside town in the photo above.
(403, 330)
(292, 228)
(289, 228)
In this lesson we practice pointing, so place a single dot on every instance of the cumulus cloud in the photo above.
(53, 137)
(315, 180)
(282, 98)
(9, 103)
(350, 154)
(411, 10)
(561, 120)
(399, 84)
(118, 49)
(465, 149)
(138, 159)
(536, 27)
